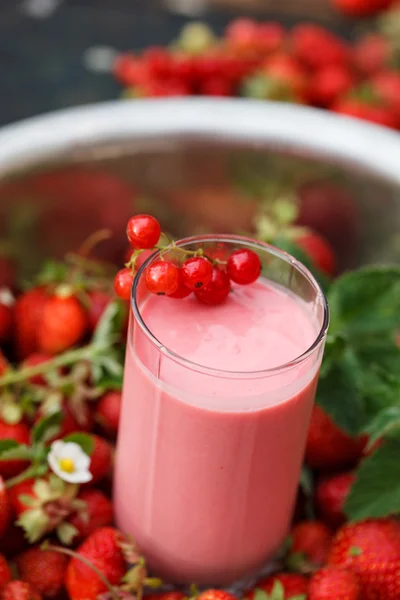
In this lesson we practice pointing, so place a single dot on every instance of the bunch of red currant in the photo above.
(209, 278)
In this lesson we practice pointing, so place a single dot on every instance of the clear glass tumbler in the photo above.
(208, 459)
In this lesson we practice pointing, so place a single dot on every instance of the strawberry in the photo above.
(328, 447)
(98, 302)
(3, 364)
(310, 544)
(319, 251)
(241, 35)
(63, 324)
(102, 549)
(98, 513)
(100, 459)
(289, 73)
(330, 496)
(386, 85)
(361, 8)
(19, 590)
(37, 358)
(5, 573)
(70, 422)
(329, 209)
(216, 595)
(6, 314)
(373, 110)
(292, 583)
(371, 549)
(4, 508)
(13, 541)
(330, 83)
(28, 311)
(317, 47)
(108, 412)
(334, 582)
(44, 569)
(371, 53)
(20, 433)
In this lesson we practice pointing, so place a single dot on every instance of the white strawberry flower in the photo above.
(69, 462)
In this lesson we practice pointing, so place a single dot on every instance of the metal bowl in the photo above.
(199, 165)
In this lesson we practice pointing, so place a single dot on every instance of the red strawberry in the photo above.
(317, 47)
(330, 210)
(7, 273)
(63, 324)
(371, 549)
(6, 314)
(292, 583)
(98, 513)
(44, 569)
(130, 70)
(5, 573)
(24, 488)
(3, 364)
(100, 459)
(4, 508)
(13, 541)
(216, 595)
(102, 549)
(368, 110)
(319, 251)
(70, 422)
(333, 582)
(28, 311)
(386, 85)
(98, 302)
(329, 83)
(241, 35)
(371, 53)
(20, 433)
(19, 590)
(361, 8)
(311, 541)
(108, 412)
(330, 496)
(37, 358)
(286, 70)
(270, 37)
(328, 447)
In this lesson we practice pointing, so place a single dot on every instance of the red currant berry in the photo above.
(196, 272)
(182, 290)
(143, 231)
(162, 277)
(244, 266)
(217, 290)
(123, 283)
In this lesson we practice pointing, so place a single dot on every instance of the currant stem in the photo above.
(63, 360)
(93, 240)
(84, 560)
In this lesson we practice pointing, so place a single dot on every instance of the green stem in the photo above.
(62, 360)
(85, 561)
(27, 474)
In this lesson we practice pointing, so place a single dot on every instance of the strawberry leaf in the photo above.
(53, 272)
(260, 595)
(384, 425)
(46, 428)
(376, 490)
(83, 440)
(109, 327)
(6, 445)
(18, 451)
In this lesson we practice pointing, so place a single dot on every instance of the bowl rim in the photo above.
(345, 140)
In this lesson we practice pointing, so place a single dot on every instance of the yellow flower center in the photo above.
(67, 465)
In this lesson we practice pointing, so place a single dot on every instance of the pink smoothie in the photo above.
(207, 463)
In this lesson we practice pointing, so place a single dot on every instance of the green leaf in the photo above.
(109, 327)
(260, 595)
(47, 428)
(20, 451)
(66, 533)
(339, 394)
(385, 424)
(376, 490)
(83, 440)
(366, 302)
(7, 445)
(291, 248)
(52, 272)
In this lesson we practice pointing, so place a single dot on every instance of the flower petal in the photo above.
(76, 477)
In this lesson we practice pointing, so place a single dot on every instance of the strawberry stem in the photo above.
(29, 473)
(84, 560)
(84, 353)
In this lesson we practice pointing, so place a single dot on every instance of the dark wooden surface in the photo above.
(42, 66)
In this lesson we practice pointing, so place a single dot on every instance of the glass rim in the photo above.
(248, 242)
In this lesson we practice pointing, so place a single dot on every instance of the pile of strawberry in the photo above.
(306, 65)
(62, 345)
